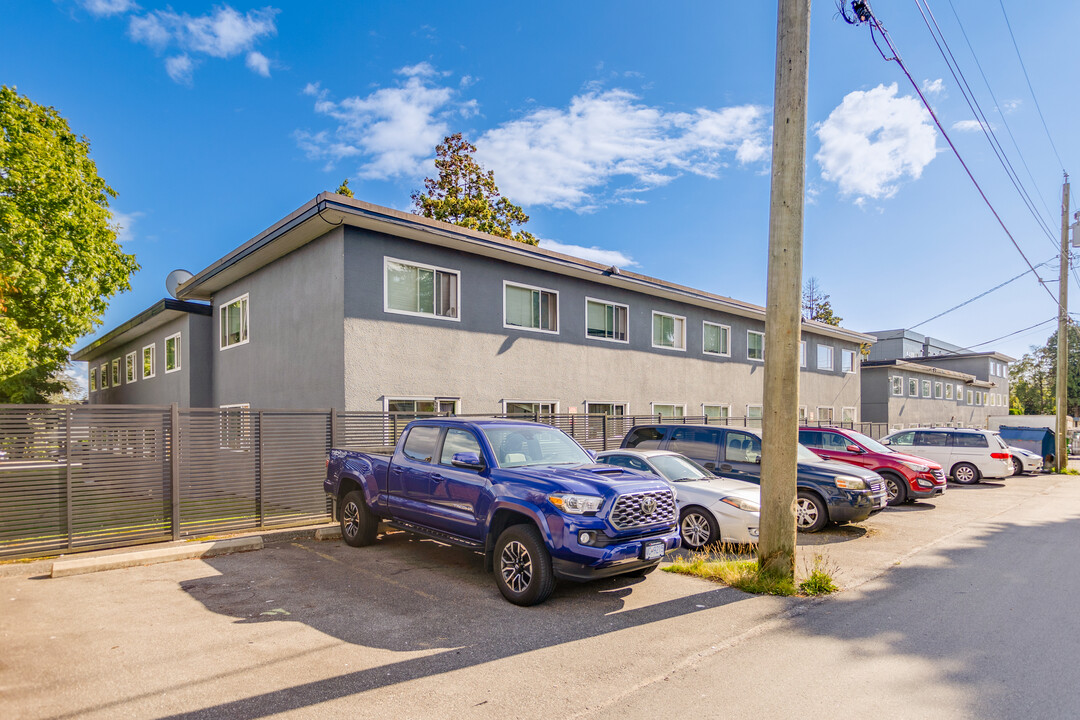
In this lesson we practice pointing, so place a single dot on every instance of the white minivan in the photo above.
(966, 455)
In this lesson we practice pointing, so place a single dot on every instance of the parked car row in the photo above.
(541, 508)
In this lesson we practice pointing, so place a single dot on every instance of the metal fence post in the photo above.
(174, 467)
(68, 489)
(333, 429)
(604, 426)
(259, 489)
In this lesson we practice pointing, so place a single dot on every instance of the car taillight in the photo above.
(1000, 456)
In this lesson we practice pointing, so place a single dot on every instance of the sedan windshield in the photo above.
(677, 468)
(868, 442)
(525, 445)
(806, 455)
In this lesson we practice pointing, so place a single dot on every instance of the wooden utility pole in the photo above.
(1061, 455)
(780, 421)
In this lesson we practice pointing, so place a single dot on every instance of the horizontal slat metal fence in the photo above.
(93, 476)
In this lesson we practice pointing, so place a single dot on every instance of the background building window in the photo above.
(606, 321)
(93, 379)
(130, 367)
(847, 360)
(825, 414)
(897, 385)
(669, 331)
(172, 353)
(913, 387)
(926, 388)
(802, 353)
(938, 390)
(716, 339)
(824, 357)
(667, 410)
(104, 376)
(234, 322)
(531, 308)
(513, 407)
(755, 345)
(116, 372)
(847, 415)
(421, 290)
(719, 412)
(148, 356)
(948, 391)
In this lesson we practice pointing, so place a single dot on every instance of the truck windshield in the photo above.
(523, 445)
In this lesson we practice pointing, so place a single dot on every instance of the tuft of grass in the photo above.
(730, 568)
(1069, 471)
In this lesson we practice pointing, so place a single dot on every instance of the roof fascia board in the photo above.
(153, 317)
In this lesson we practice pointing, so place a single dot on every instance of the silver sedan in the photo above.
(1025, 461)
(711, 509)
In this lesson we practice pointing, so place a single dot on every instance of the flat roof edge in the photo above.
(163, 305)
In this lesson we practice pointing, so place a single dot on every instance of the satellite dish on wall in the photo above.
(175, 279)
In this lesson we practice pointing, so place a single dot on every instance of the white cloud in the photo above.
(1010, 105)
(124, 225)
(873, 140)
(180, 68)
(420, 69)
(258, 63)
(933, 87)
(595, 254)
(224, 33)
(968, 126)
(104, 8)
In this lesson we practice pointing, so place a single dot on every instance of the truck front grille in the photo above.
(644, 508)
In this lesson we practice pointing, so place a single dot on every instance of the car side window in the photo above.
(835, 442)
(971, 440)
(617, 460)
(742, 447)
(932, 439)
(458, 441)
(811, 438)
(695, 443)
(646, 438)
(904, 438)
(420, 444)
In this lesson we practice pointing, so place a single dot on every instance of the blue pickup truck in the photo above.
(527, 495)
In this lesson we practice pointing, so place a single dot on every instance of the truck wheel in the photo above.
(359, 526)
(697, 527)
(523, 566)
(810, 512)
(895, 489)
(965, 474)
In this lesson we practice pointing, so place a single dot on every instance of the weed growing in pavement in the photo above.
(726, 565)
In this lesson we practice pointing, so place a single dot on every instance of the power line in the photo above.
(1030, 327)
(981, 295)
(865, 14)
(1024, 68)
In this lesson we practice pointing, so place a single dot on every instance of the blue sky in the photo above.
(638, 133)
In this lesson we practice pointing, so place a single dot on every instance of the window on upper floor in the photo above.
(233, 317)
(897, 385)
(847, 415)
(802, 353)
(715, 339)
(415, 289)
(530, 308)
(755, 345)
(847, 361)
(824, 357)
(606, 320)
(939, 390)
(93, 379)
(104, 377)
(115, 378)
(913, 387)
(172, 353)
(970, 397)
(149, 354)
(948, 391)
(668, 331)
(130, 368)
(926, 388)
(825, 414)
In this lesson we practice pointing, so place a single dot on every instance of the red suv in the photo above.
(906, 477)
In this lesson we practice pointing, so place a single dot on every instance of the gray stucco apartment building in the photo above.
(911, 380)
(350, 305)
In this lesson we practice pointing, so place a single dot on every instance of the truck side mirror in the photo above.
(467, 460)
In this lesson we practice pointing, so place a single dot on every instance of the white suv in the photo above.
(966, 455)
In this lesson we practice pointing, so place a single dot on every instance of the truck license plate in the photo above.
(654, 550)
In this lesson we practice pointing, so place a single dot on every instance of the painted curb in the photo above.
(81, 566)
(328, 533)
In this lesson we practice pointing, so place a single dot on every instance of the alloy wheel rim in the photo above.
(891, 488)
(806, 512)
(515, 566)
(351, 513)
(695, 530)
(964, 474)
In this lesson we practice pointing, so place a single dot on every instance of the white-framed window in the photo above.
(825, 414)
(802, 414)
(233, 317)
(718, 412)
(668, 331)
(669, 410)
(93, 379)
(607, 320)
(715, 339)
(970, 397)
(605, 408)
(824, 357)
(172, 353)
(115, 379)
(755, 345)
(411, 288)
(978, 397)
(235, 427)
(926, 388)
(422, 405)
(530, 407)
(939, 390)
(959, 393)
(149, 358)
(530, 308)
(753, 415)
(897, 385)
(913, 387)
(847, 361)
(104, 375)
(130, 375)
(802, 353)
(948, 391)
(847, 415)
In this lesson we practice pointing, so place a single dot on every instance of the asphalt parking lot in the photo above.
(412, 628)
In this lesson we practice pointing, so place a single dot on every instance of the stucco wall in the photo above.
(880, 405)
(293, 357)
(478, 360)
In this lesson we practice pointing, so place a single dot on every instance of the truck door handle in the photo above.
(395, 471)
(437, 478)
(725, 468)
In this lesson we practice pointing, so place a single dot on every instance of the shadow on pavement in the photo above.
(831, 535)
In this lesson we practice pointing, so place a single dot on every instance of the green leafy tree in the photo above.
(465, 194)
(59, 259)
(816, 305)
(1033, 378)
(343, 188)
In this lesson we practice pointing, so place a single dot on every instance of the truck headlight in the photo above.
(915, 466)
(576, 504)
(746, 505)
(848, 482)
